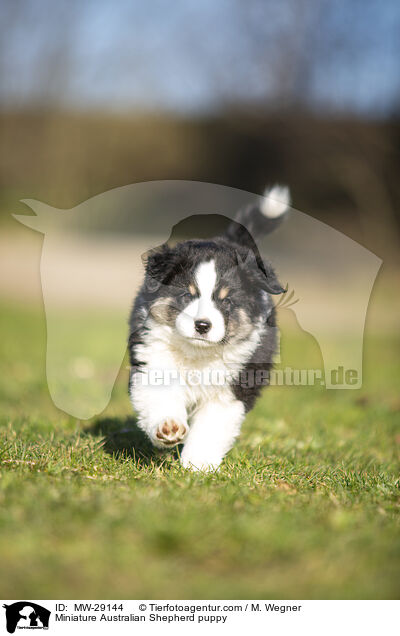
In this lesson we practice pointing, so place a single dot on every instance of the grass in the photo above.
(305, 506)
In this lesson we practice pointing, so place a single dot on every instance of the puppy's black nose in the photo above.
(202, 326)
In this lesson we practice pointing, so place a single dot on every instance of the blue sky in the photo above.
(190, 56)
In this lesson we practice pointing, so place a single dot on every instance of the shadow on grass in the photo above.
(123, 438)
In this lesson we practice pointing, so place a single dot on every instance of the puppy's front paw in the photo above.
(170, 432)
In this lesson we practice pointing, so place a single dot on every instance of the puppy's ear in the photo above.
(159, 263)
(270, 282)
(261, 274)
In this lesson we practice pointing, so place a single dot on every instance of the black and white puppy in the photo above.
(202, 327)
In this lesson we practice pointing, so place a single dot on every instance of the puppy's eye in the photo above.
(186, 296)
(227, 303)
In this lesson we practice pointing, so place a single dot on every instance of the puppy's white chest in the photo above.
(201, 375)
(206, 382)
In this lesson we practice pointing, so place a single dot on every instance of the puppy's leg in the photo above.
(213, 431)
(161, 412)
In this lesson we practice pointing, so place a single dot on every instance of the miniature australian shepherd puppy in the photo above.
(203, 335)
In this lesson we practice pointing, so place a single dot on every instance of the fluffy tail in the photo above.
(262, 218)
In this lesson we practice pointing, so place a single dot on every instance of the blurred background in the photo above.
(96, 95)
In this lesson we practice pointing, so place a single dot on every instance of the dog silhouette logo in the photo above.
(82, 278)
(26, 615)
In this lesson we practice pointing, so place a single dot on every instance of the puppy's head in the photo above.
(209, 292)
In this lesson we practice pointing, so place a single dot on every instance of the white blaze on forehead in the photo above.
(203, 307)
(206, 277)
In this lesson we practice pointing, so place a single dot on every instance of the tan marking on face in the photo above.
(239, 327)
(192, 289)
(245, 322)
(223, 292)
(161, 310)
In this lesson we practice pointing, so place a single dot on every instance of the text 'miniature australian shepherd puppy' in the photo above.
(203, 335)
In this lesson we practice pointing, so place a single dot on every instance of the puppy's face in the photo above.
(205, 294)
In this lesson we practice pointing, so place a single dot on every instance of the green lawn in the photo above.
(305, 506)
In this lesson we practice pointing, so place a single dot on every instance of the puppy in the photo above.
(203, 335)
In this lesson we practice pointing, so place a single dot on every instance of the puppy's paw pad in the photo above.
(170, 432)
